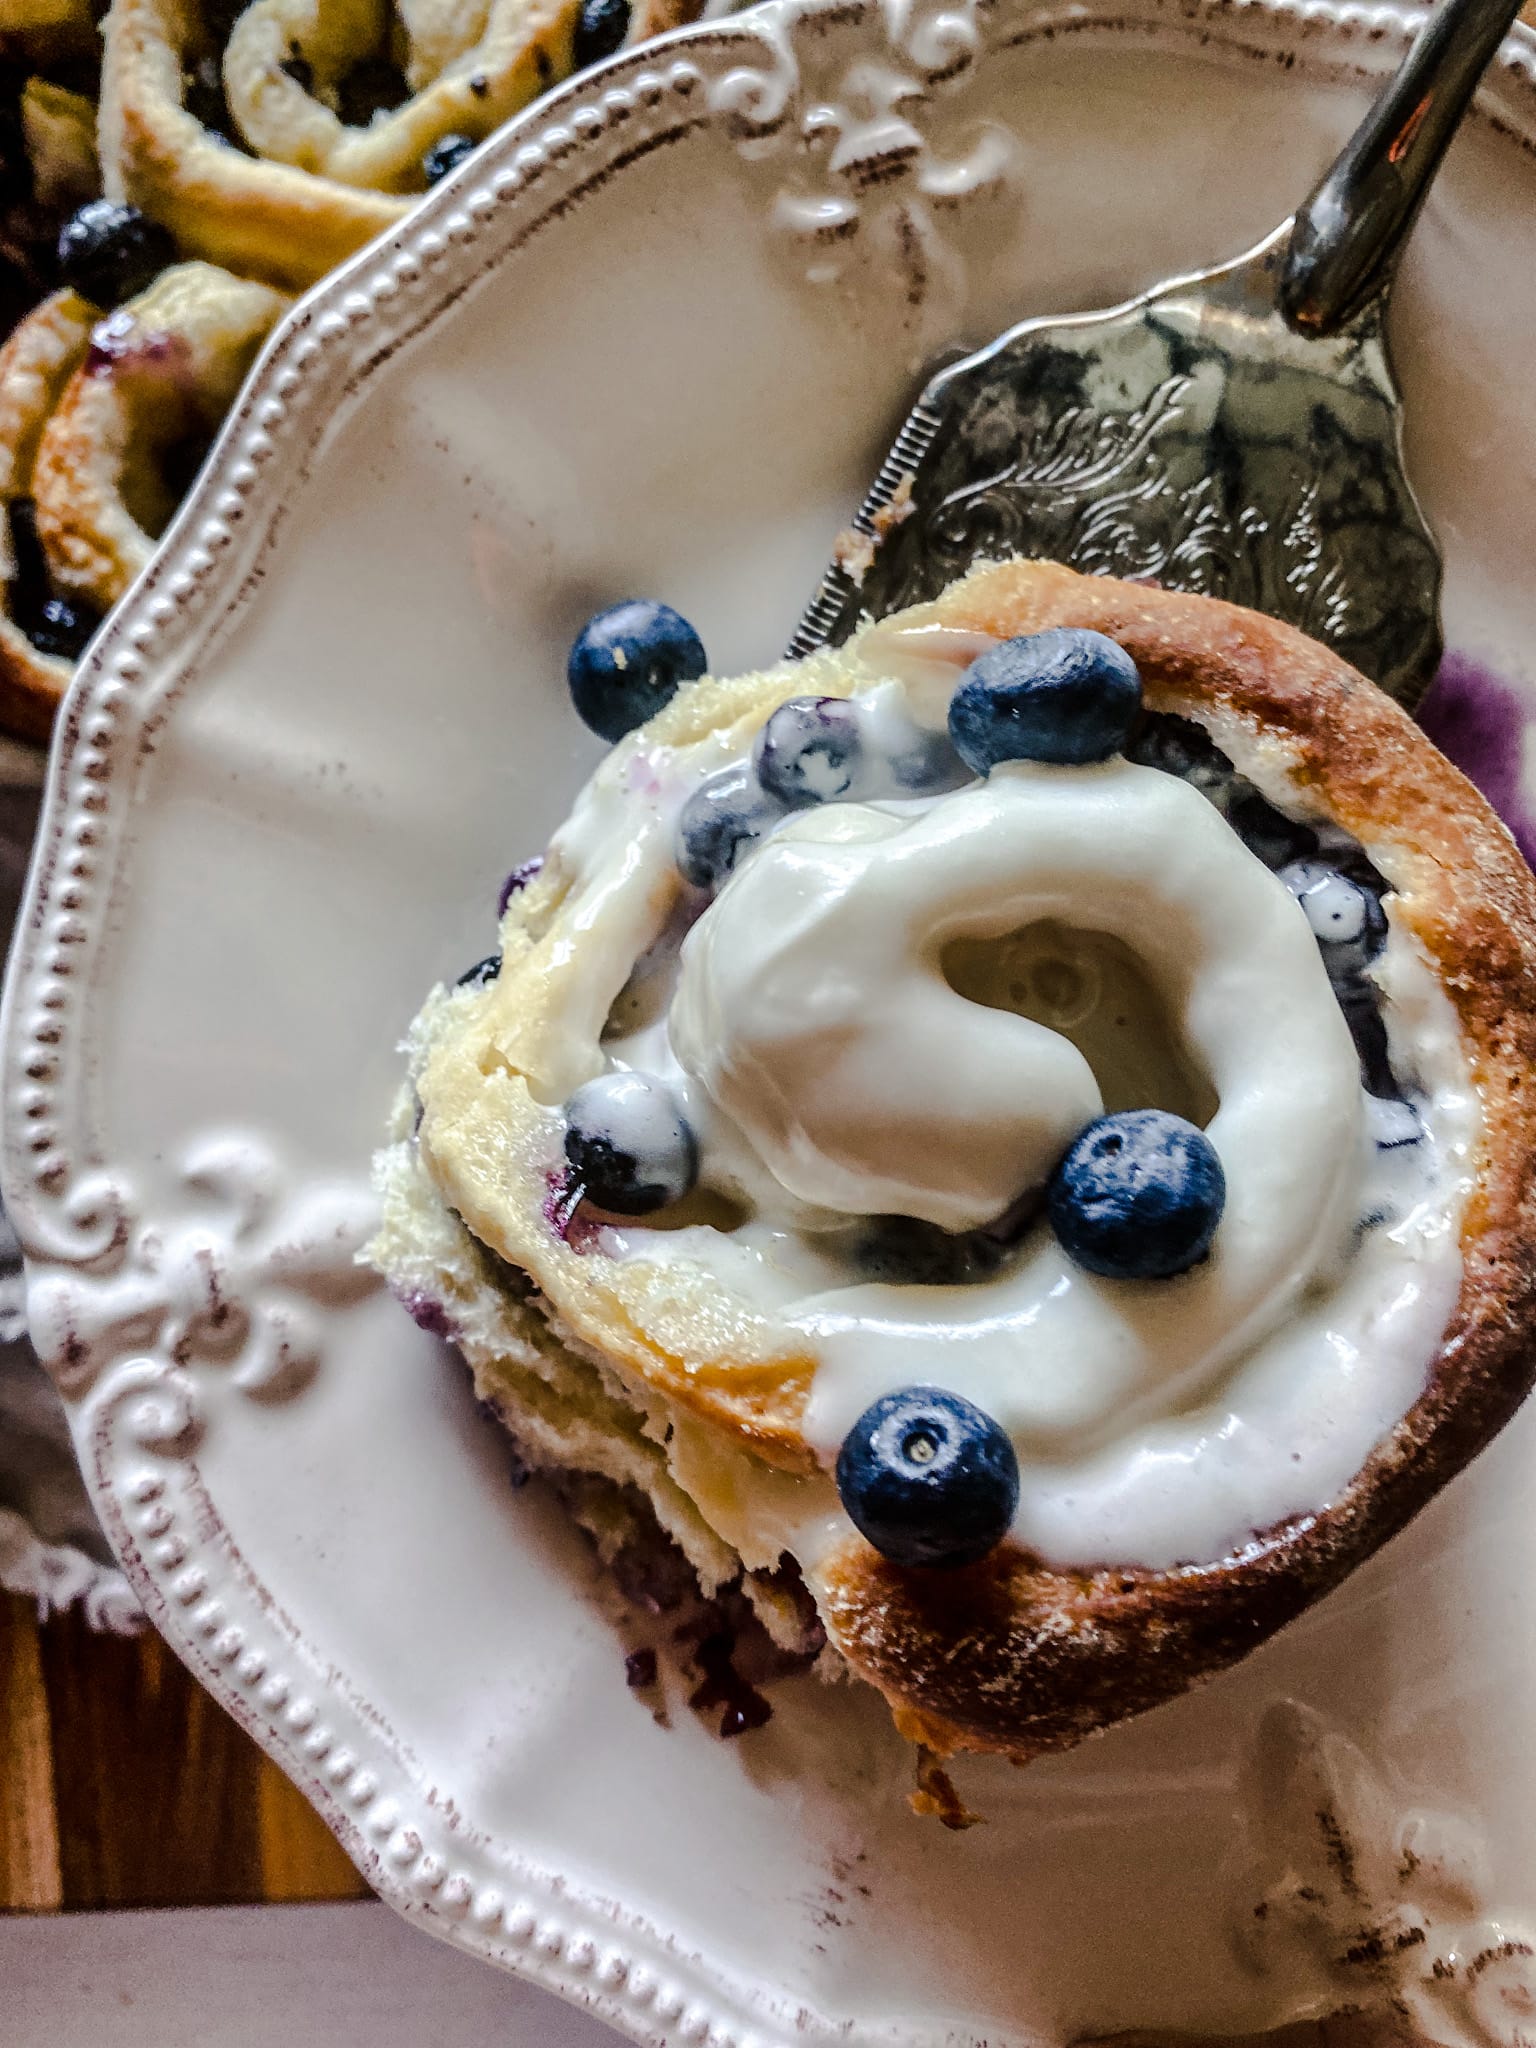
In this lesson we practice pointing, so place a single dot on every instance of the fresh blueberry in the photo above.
(62, 627)
(483, 972)
(723, 815)
(810, 751)
(445, 155)
(1276, 839)
(629, 1145)
(601, 27)
(1181, 747)
(1064, 695)
(928, 1478)
(1138, 1196)
(628, 661)
(1346, 917)
(108, 252)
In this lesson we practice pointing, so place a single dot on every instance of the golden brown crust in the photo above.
(263, 219)
(59, 130)
(313, 189)
(36, 364)
(87, 411)
(163, 372)
(31, 685)
(1014, 1657)
(466, 84)
(491, 1141)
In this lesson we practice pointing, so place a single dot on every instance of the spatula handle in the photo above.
(1348, 233)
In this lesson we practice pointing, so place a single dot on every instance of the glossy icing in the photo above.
(808, 1017)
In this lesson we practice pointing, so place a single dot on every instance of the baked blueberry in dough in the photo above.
(102, 420)
(1018, 1124)
(245, 150)
(109, 253)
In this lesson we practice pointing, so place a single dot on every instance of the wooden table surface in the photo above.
(122, 1784)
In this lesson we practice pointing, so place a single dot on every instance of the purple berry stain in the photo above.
(120, 342)
(518, 880)
(640, 1669)
(427, 1313)
(566, 1213)
(1479, 721)
(711, 1648)
(640, 778)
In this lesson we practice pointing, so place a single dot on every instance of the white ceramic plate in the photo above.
(291, 776)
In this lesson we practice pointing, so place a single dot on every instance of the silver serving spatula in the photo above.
(1236, 433)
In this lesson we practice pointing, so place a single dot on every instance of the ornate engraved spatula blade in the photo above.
(1236, 433)
(1191, 437)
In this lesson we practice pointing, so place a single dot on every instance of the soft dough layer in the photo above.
(718, 1330)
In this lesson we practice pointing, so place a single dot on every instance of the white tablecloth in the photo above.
(353, 1976)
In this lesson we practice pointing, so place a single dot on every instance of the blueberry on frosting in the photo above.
(926, 765)
(628, 1144)
(928, 1478)
(723, 815)
(1066, 695)
(1138, 1196)
(628, 661)
(1347, 919)
(810, 751)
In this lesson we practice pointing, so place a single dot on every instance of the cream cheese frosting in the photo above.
(833, 1071)
(814, 1010)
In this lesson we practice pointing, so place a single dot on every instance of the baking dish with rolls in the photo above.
(178, 170)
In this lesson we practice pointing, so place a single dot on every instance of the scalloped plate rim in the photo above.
(179, 601)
